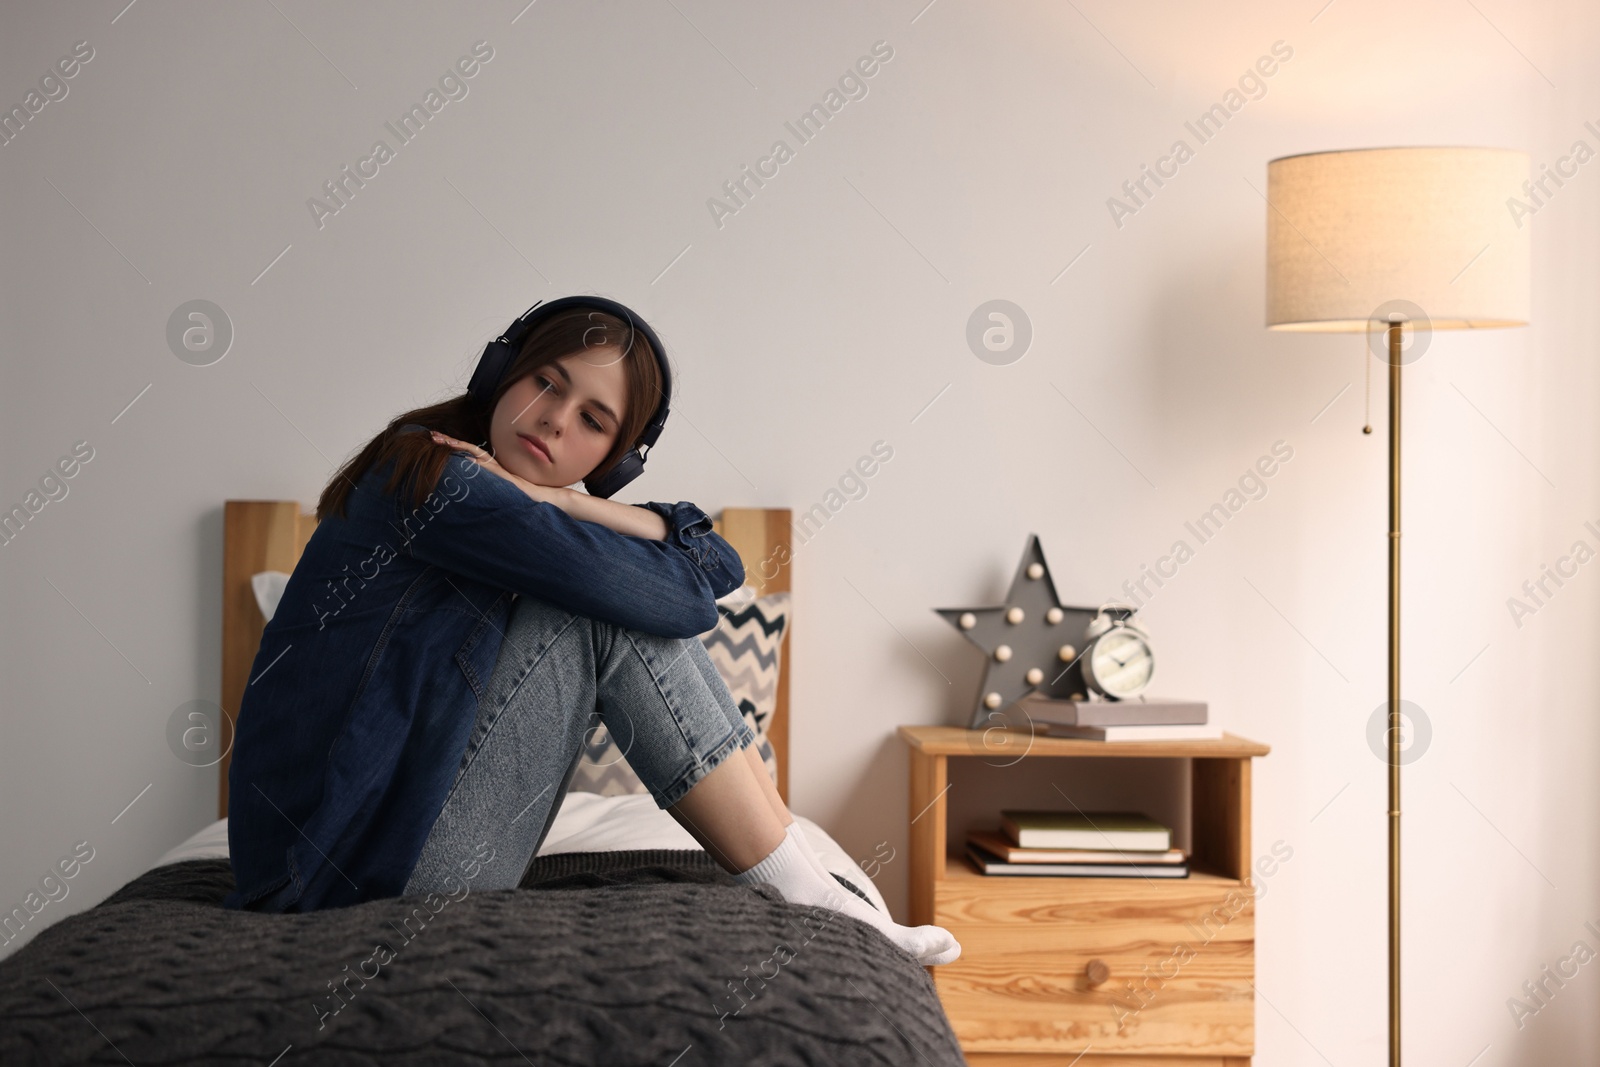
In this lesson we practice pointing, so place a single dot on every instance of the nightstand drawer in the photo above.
(1175, 958)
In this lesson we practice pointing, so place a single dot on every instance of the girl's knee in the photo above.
(533, 619)
(537, 608)
(662, 654)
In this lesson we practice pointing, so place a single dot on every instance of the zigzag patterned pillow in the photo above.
(745, 646)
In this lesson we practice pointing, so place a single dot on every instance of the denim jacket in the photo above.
(365, 687)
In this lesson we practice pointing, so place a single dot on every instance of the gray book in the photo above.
(1153, 712)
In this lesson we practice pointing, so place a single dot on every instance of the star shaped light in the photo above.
(1031, 642)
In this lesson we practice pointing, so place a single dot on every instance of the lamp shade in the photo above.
(1351, 231)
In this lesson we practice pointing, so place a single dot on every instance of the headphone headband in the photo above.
(500, 353)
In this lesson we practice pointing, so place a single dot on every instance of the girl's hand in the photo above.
(547, 493)
(624, 518)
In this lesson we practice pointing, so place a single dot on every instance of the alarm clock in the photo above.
(1118, 661)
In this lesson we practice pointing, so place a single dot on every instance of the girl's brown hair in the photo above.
(419, 460)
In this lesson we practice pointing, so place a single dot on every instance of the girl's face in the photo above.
(555, 425)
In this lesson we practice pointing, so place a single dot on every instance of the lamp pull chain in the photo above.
(1366, 358)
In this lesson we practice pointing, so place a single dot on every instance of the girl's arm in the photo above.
(517, 537)
(623, 518)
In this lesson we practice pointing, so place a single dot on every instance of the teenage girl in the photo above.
(461, 617)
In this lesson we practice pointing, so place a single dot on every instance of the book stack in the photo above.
(1138, 719)
(1078, 844)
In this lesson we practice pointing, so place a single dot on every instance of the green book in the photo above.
(1128, 830)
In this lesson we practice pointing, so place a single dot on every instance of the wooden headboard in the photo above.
(268, 535)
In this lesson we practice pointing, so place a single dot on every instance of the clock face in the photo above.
(1121, 663)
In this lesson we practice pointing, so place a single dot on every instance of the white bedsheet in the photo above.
(589, 822)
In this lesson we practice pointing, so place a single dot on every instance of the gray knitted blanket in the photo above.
(602, 958)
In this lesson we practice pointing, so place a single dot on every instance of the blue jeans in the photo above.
(557, 676)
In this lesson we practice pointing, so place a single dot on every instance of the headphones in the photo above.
(499, 354)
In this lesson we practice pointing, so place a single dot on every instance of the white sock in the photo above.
(854, 904)
(800, 839)
(789, 870)
(795, 831)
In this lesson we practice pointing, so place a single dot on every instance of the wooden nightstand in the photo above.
(1138, 971)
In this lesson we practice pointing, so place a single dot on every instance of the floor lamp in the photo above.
(1390, 236)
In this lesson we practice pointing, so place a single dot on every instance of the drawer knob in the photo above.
(1096, 972)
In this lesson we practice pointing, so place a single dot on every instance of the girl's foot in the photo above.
(789, 869)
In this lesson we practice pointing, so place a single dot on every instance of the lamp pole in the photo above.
(1394, 692)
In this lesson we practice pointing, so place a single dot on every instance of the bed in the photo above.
(624, 943)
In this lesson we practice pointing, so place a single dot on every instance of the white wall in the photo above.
(823, 317)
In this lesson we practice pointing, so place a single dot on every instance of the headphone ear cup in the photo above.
(491, 368)
(629, 467)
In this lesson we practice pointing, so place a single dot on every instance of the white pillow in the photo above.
(268, 587)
